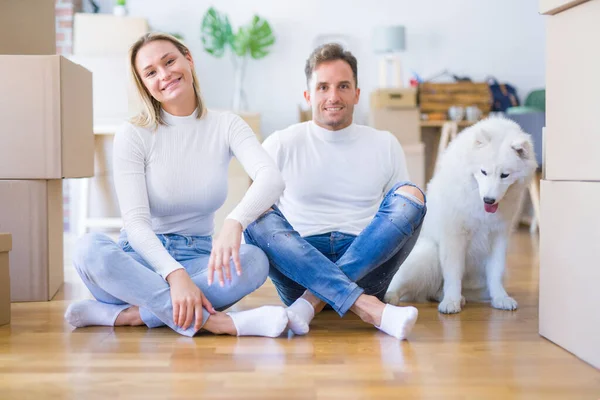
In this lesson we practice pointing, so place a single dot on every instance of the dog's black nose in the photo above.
(489, 200)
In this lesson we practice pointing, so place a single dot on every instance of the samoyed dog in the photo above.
(471, 202)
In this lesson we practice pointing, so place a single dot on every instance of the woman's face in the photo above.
(166, 73)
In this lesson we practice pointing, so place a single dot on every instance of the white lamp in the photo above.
(389, 41)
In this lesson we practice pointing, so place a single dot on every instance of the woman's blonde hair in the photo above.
(150, 115)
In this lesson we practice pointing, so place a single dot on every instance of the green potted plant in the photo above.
(251, 40)
(119, 9)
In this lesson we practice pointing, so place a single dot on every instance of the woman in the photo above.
(170, 171)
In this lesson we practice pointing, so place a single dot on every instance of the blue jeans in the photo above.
(338, 267)
(115, 274)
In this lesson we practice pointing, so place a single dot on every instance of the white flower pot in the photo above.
(120, 11)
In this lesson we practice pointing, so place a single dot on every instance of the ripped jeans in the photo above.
(338, 267)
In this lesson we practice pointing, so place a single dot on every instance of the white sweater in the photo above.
(334, 180)
(173, 179)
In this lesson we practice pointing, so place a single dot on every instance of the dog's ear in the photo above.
(482, 137)
(522, 147)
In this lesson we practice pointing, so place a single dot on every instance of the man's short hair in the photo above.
(330, 52)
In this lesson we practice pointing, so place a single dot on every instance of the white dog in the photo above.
(471, 201)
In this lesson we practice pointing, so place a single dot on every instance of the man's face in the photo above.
(332, 95)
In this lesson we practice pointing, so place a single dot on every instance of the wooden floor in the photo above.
(479, 354)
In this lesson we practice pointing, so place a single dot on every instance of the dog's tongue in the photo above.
(491, 208)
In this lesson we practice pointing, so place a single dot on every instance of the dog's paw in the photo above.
(391, 298)
(451, 306)
(505, 303)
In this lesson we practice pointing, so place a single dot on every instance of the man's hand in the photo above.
(224, 248)
(187, 300)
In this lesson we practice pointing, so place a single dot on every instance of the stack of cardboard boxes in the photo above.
(46, 135)
(570, 189)
(396, 111)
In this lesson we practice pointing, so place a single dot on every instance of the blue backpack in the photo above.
(503, 95)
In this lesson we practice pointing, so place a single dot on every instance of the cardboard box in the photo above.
(572, 136)
(27, 27)
(5, 247)
(253, 120)
(404, 123)
(105, 34)
(415, 163)
(103, 155)
(394, 98)
(543, 153)
(114, 95)
(304, 114)
(46, 114)
(569, 272)
(32, 210)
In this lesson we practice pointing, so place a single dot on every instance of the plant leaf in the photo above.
(255, 38)
(216, 32)
(240, 42)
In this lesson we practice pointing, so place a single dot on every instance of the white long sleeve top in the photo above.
(335, 180)
(174, 178)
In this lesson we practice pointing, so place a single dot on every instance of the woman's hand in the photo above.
(226, 246)
(187, 300)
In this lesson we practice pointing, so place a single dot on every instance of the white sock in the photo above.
(262, 321)
(300, 313)
(398, 321)
(92, 312)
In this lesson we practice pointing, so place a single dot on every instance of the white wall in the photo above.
(504, 38)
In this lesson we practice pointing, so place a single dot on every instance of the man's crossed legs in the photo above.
(345, 271)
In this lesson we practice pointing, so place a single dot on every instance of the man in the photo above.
(348, 216)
